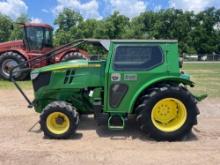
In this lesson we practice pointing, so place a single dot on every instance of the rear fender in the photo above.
(19, 51)
(173, 79)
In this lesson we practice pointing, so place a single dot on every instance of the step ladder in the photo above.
(116, 122)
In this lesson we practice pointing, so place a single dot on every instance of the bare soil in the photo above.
(22, 144)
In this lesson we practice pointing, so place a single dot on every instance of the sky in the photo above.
(46, 10)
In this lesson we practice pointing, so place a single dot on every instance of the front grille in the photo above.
(43, 79)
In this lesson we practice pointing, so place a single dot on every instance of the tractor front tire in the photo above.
(73, 56)
(167, 113)
(59, 120)
(9, 60)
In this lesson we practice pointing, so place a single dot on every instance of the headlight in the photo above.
(34, 75)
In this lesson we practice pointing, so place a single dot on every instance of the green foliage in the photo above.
(17, 32)
(68, 22)
(197, 33)
(11, 30)
(116, 25)
(5, 28)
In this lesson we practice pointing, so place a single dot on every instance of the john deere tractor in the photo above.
(139, 77)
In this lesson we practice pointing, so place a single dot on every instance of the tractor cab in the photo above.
(38, 36)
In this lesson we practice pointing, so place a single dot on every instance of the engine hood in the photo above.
(68, 65)
(12, 44)
(76, 74)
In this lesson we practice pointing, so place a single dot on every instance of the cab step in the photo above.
(116, 122)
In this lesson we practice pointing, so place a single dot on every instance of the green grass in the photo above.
(10, 85)
(205, 75)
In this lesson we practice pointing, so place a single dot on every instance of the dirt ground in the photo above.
(21, 144)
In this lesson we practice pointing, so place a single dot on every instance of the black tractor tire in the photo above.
(149, 100)
(8, 60)
(63, 108)
(73, 56)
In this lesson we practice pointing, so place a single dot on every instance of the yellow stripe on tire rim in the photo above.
(169, 114)
(58, 123)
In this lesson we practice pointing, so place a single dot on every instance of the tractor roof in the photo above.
(106, 42)
(38, 25)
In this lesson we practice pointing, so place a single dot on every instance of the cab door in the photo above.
(131, 65)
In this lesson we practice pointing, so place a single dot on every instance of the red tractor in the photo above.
(37, 41)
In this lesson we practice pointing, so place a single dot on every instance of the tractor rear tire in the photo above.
(8, 60)
(167, 113)
(73, 56)
(59, 120)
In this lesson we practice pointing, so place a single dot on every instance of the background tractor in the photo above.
(139, 77)
(37, 41)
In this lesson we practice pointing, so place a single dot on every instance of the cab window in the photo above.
(35, 37)
(132, 58)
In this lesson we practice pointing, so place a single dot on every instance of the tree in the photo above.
(66, 21)
(116, 26)
(204, 35)
(101, 31)
(5, 28)
(17, 32)
(196, 33)
(143, 26)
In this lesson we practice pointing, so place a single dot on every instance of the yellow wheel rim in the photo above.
(169, 114)
(58, 123)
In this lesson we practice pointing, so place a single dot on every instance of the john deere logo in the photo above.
(116, 77)
(130, 77)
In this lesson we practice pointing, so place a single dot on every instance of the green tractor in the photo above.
(138, 77)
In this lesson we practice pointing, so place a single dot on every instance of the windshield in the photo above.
(38, 37)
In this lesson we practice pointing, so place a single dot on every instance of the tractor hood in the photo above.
(76, 74)
(12, 44)
(74, 64)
